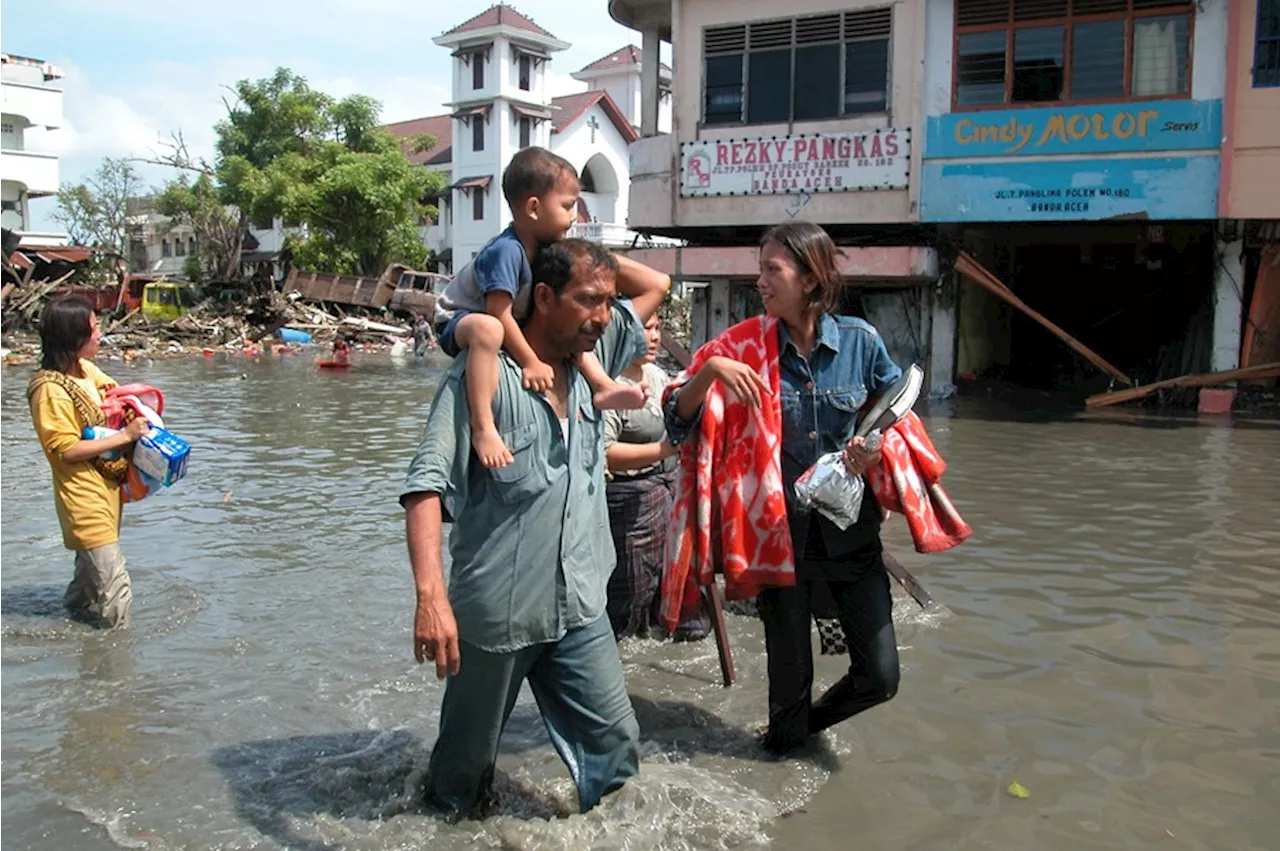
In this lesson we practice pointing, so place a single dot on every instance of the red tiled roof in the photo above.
(440, 126)
(573, 106)
(72, 254)
(496, 16)
(623, 57)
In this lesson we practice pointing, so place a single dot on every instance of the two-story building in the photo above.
(809, 110)
(31, 103)
(1077, 148)
(1072, 146)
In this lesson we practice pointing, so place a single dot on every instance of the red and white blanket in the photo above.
(730, 507)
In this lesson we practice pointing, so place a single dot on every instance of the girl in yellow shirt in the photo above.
(66, 396)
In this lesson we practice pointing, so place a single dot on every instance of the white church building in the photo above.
(500, 104)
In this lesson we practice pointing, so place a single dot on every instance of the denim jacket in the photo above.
(821, 398)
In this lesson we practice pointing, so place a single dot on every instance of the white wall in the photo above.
(623, 85)
(574, 144)
(11, 138)
(12, 194)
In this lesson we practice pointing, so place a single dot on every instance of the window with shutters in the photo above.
(797, 69)
(1266, 48)
(525, 72)
(1011, 52)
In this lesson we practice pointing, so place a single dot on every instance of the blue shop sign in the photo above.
(1165, 125)
(1070, 190)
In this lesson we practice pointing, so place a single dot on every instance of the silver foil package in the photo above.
(829, 487)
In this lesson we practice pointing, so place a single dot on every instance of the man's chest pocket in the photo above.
(526, 476)
(589, 435)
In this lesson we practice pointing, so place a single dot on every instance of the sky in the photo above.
(138, 70)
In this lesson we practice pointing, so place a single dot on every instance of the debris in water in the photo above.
(1168, 833)
(1017, 790)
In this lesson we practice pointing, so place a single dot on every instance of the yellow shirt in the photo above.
(88, 503)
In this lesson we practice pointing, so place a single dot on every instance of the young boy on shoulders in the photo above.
(482, 308)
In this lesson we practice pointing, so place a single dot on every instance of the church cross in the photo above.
(594, 125)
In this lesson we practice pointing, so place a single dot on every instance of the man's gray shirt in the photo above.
(530, 544)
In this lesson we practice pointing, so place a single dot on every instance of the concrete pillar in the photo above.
(1228, 304)
(699, 316)
(650, 65)
(1228, 318)
(719, 318)
(940, 366)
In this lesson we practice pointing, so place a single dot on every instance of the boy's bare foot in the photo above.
(490, 449)
(621, 397)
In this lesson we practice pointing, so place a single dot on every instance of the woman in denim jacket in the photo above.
(829, 366)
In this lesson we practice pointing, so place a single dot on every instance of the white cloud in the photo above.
(563, 84)
(100, 124)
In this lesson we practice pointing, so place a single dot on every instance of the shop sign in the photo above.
(1171, 125)
(1070, 190)
(773, 165)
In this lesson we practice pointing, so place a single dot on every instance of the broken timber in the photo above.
(1262, 370)
(974, 271)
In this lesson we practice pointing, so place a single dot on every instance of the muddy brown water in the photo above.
(1108, 640)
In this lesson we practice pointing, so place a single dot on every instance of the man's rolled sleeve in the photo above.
(623, 341)
(432, 469)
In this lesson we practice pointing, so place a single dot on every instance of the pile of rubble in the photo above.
(211, 326)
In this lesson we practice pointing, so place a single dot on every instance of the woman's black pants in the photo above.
(865, 608)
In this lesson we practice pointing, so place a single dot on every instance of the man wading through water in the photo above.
(532, 552)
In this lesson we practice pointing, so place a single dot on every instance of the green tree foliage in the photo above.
(288, 151)
(96, 212)
(219, 229)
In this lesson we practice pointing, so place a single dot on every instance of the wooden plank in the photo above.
(676, 349)
(908, 582)
(1262, 370)
(974, 271)
(721, 630)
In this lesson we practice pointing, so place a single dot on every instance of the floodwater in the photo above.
(1107, 639)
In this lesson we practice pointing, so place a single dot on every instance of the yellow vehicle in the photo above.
(167, 299)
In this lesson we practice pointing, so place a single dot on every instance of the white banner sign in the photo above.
(821, 162)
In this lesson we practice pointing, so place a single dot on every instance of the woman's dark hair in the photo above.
(64, 329)
(814, 254)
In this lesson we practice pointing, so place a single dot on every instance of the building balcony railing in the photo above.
(619, 236)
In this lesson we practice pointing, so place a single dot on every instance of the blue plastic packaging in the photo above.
(162, 455)
(293, 335)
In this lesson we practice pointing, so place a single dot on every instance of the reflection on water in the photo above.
(1108, 641)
